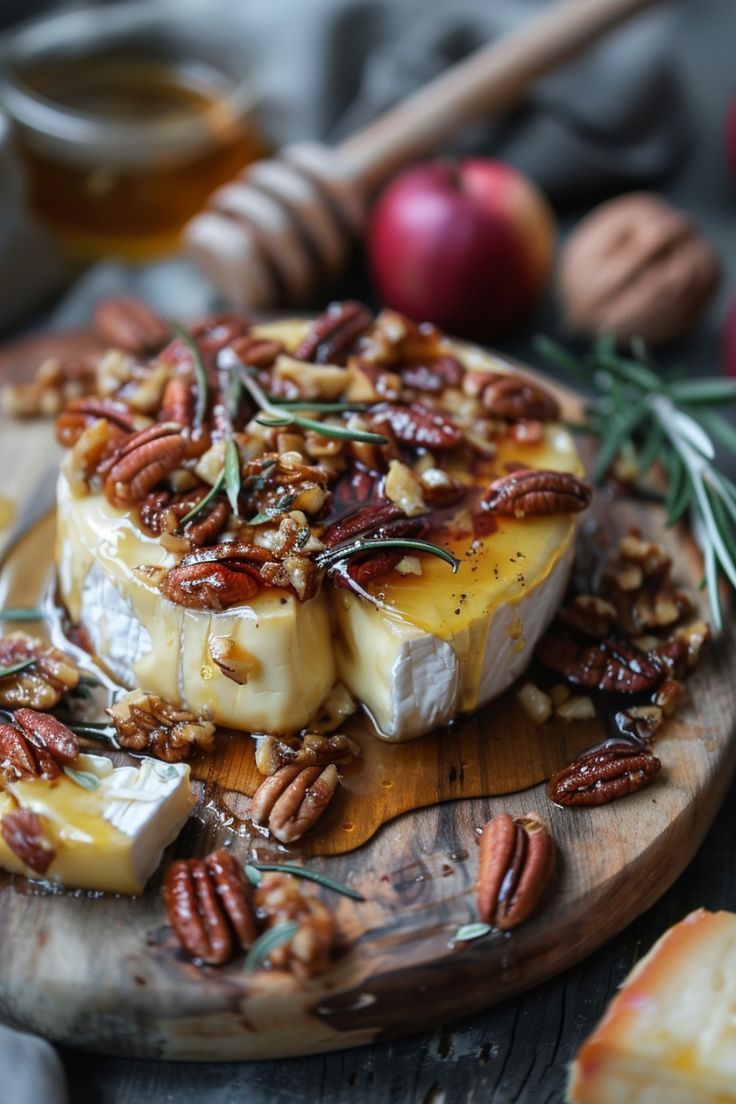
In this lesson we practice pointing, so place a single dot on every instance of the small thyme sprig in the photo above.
(651, 417)
(277, 415)
(254, 869)
(332, 556)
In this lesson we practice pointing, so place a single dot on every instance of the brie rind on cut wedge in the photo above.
(109, 834)
(669, 1036)
(415, 650)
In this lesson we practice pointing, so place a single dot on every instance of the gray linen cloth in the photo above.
(613, 119)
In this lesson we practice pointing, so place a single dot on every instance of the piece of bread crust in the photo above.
(669, 1036)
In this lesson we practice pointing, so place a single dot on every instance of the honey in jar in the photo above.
(123, 144)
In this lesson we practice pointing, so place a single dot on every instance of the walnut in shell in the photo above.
(636, 266)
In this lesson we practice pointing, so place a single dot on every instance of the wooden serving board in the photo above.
(105, 973)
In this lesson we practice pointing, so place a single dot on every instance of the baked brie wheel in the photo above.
(224, 513)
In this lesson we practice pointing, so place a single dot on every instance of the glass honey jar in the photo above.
(126, 118)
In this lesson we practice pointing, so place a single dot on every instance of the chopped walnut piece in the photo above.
(41, 685)
(535, 703)
(55, 383)
(636, 580)
(146, 723)
(279, 900)
(404, 489)
(681, 651)
(337, 706)
(590, 615)
(311, 750)
(576, 708)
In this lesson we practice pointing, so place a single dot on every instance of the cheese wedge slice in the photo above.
(418, 649)
(110, 837)
(281, 647)
(669, 1036)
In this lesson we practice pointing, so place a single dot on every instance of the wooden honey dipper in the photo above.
(285, 225)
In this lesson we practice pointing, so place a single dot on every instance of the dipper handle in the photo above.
(488, 82)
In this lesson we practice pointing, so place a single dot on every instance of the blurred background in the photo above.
(121, 120)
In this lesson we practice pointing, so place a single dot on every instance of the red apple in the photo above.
(465, 245)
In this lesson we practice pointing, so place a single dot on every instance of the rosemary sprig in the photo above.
(326, 407)
(205, 501)
(94, 730)
(332, 556)
(265, 943)
(651, 417)
(253, 871)
(16, 668)
(21, 613)
(277, 415)
(231, 471)
(200, 374)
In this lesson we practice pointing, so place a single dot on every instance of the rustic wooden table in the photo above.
(513, 1054)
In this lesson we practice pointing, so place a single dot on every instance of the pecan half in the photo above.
(177, 403)
(146, 723)
(333, 333)
(162, 512)
(22, 830)
(537, 491)
(129, 324)
(46, 732)
(278, 900)
(211, 335)
(40, 686)
(258, 352)
(142, 462)
(382, 519)
(210, 586)
(80, 413)
(514, 398)
(19, 759)
(418, 426)
(432, 375)
(517, 860)
(603, 774)
(209, 903)
(292, 800)
(612, 666)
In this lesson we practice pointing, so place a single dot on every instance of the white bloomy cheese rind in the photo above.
(110, 837)
(669, 1036)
